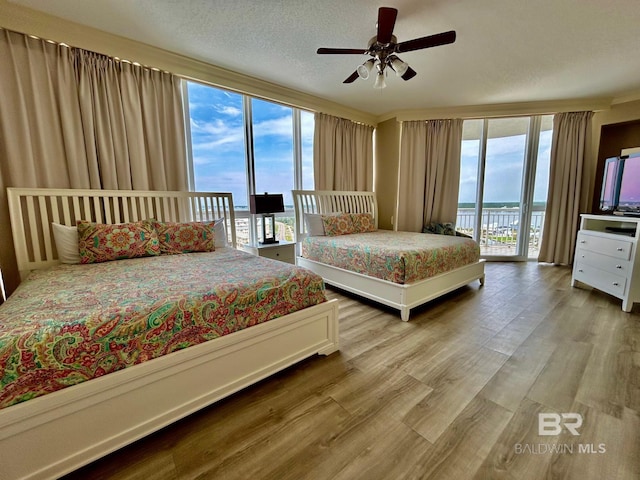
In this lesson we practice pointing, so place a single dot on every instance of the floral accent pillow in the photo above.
(362, 222)
(337, 224)
(186, 237)
(99, 242)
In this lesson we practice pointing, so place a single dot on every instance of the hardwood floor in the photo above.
(453, 394)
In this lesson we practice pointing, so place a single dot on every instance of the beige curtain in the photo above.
(569, 149)
(73, 119)
(132, 118)
(429, 176)
(342, 154)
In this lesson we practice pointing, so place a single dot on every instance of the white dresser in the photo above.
(607, 256)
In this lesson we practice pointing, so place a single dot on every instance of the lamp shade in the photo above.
(379, 83)
(398, 65)
(266, 203)
(364, 69)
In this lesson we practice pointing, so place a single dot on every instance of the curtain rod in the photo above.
(66, 45)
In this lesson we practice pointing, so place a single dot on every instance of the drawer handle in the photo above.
(618, 267)
(620, 249)
(583, 241)
(580, 270)
(582, 256)
(615, 284)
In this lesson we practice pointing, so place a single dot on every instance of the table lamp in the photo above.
(266, 205)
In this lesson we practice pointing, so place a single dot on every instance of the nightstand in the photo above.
(283, 251)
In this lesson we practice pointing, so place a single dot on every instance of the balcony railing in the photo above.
(500, 229)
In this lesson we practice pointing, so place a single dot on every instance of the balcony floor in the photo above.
(506, 251)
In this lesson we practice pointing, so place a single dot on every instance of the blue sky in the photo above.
(217, 131)
(503, 171)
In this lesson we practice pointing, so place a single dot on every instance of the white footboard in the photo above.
(57, 433)
(403, 297)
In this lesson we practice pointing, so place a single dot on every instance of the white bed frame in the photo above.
(403, 297)
(51, 435)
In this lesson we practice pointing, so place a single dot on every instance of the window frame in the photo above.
(528, 179)
(249, 157)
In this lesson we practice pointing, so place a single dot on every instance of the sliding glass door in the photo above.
(503, 184)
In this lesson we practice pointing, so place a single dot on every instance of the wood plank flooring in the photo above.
(453, 394)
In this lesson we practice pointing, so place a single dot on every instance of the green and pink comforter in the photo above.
(72, 323)
(398, 257)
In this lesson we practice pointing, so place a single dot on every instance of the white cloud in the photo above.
(228, 110)
(275, 126)
(195, 105)
(215, 158)
(503, 169)
(514, 145)
(215, 134)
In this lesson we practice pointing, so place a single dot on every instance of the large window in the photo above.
(217, 142)
(273, 148)
(246, 145)
(504, 178)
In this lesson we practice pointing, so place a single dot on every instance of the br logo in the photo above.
(552, 423)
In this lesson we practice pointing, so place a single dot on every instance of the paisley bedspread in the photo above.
(72, 323)
(399, 257)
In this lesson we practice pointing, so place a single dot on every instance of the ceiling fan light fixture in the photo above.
(380, 83)
(364, 69)
(398, 65)
(383, 48)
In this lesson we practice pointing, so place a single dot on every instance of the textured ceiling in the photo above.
(506, 50)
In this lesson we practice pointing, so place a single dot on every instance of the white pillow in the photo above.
(314, 224)
(66, 239)
(220, 233)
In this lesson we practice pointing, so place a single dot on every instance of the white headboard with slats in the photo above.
(329, 201)
(32, 211)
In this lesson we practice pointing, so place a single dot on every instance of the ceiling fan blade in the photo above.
(351, 77)
(438, 39)
(341, 51)
(409, 74)
(386, 21)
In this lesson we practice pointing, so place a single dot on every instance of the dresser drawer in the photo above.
(610, 264)
(613, 247)
(605, 281)
(284, 253)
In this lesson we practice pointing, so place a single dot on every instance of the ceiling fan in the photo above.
(383, 49)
